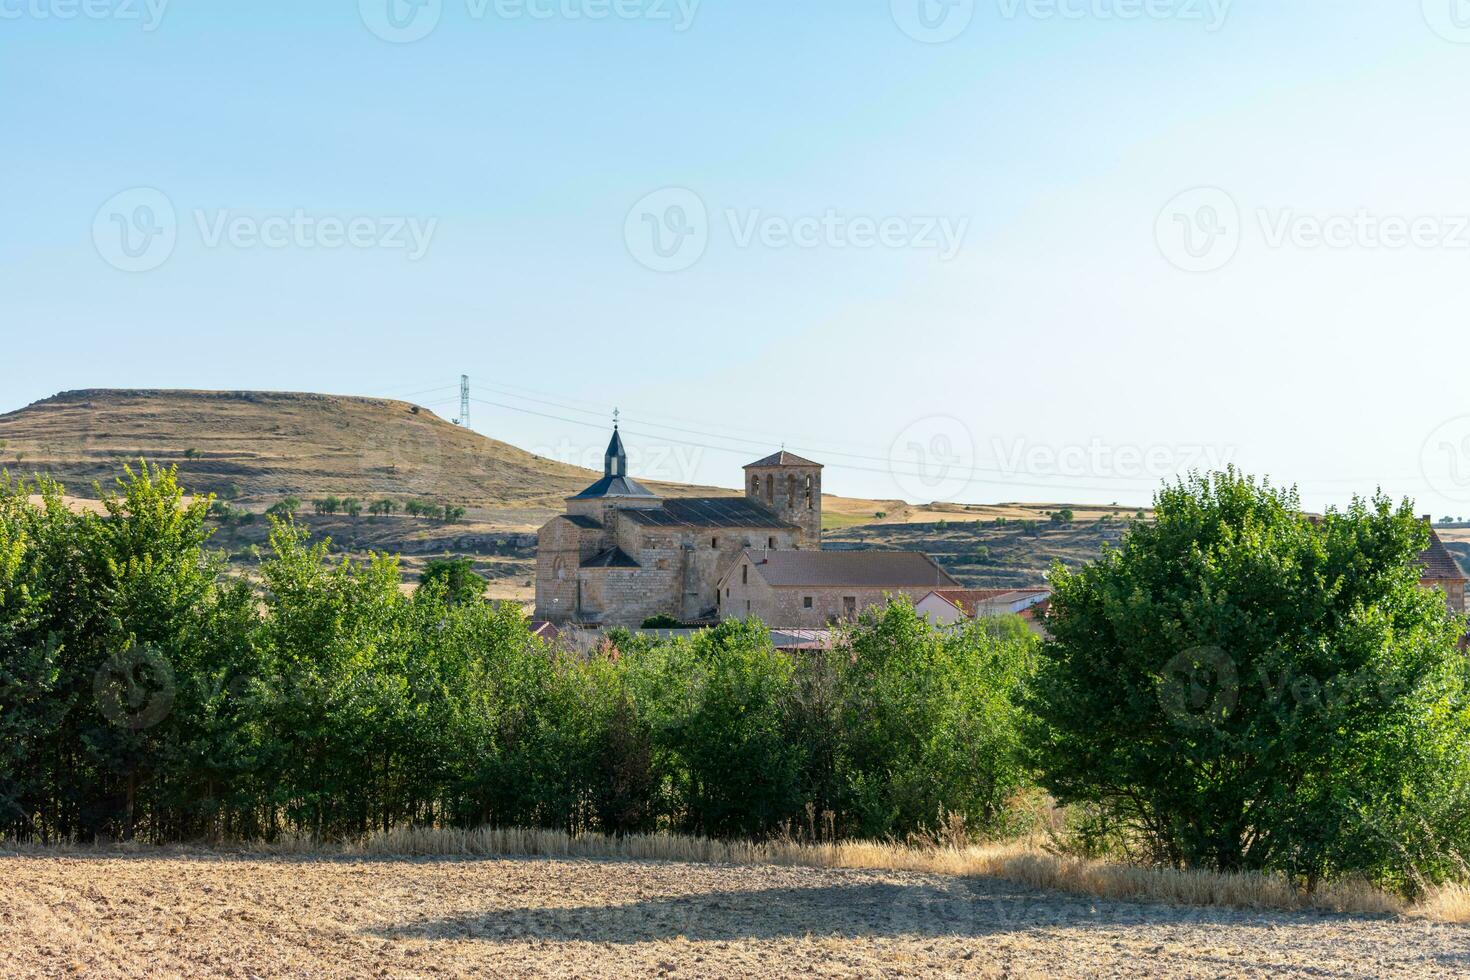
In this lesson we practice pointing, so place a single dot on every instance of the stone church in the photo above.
(621, 554)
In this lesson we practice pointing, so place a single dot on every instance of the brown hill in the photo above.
(256, 446)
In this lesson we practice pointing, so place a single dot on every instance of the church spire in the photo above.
(615, 462)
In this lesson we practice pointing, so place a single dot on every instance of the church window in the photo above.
(744, 574)
(806, 602)
(755, 486)
(771, 490)
(808, 493)
(714, 543)
(771, 544)
(790, 489)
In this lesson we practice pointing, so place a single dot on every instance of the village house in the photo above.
(1442, 572)
(812, 589)
(946, 607)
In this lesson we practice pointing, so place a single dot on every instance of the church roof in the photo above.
(615, 486)
(850, 569)
(585, 523)
(611, 558)
(1439, 564)
(708, 512)
(783, 458)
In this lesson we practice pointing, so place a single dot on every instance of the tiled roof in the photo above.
(783, 458)
(854, 569)
(615, 486)
(611, 558)
(718, 512)
(585, 523)
(1439, 564)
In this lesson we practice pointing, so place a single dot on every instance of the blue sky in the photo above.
(957, 270)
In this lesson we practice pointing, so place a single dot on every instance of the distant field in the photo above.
(203, 915)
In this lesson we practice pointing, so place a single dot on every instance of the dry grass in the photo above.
(1026, 863)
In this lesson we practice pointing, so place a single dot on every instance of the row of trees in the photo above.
(146, 694)
(288, 507)
(1238, 686)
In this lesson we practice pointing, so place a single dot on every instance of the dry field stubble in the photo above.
(193, 913)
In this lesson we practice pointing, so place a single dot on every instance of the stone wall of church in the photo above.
(698, 557)
(559, 553)
(627, 596)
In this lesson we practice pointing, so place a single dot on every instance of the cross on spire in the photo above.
(617, 412)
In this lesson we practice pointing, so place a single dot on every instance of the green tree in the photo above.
(1243, 687)
(285, 508)
(461, 583)
(352, 507)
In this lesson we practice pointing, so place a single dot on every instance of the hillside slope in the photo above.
(258, 446)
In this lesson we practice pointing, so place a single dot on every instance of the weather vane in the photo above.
(616, 413)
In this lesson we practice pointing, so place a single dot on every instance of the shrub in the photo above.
(1242, 687)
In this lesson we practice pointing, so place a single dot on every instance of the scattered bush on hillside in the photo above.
(284, 508)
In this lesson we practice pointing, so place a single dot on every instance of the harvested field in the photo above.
(174, 913)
